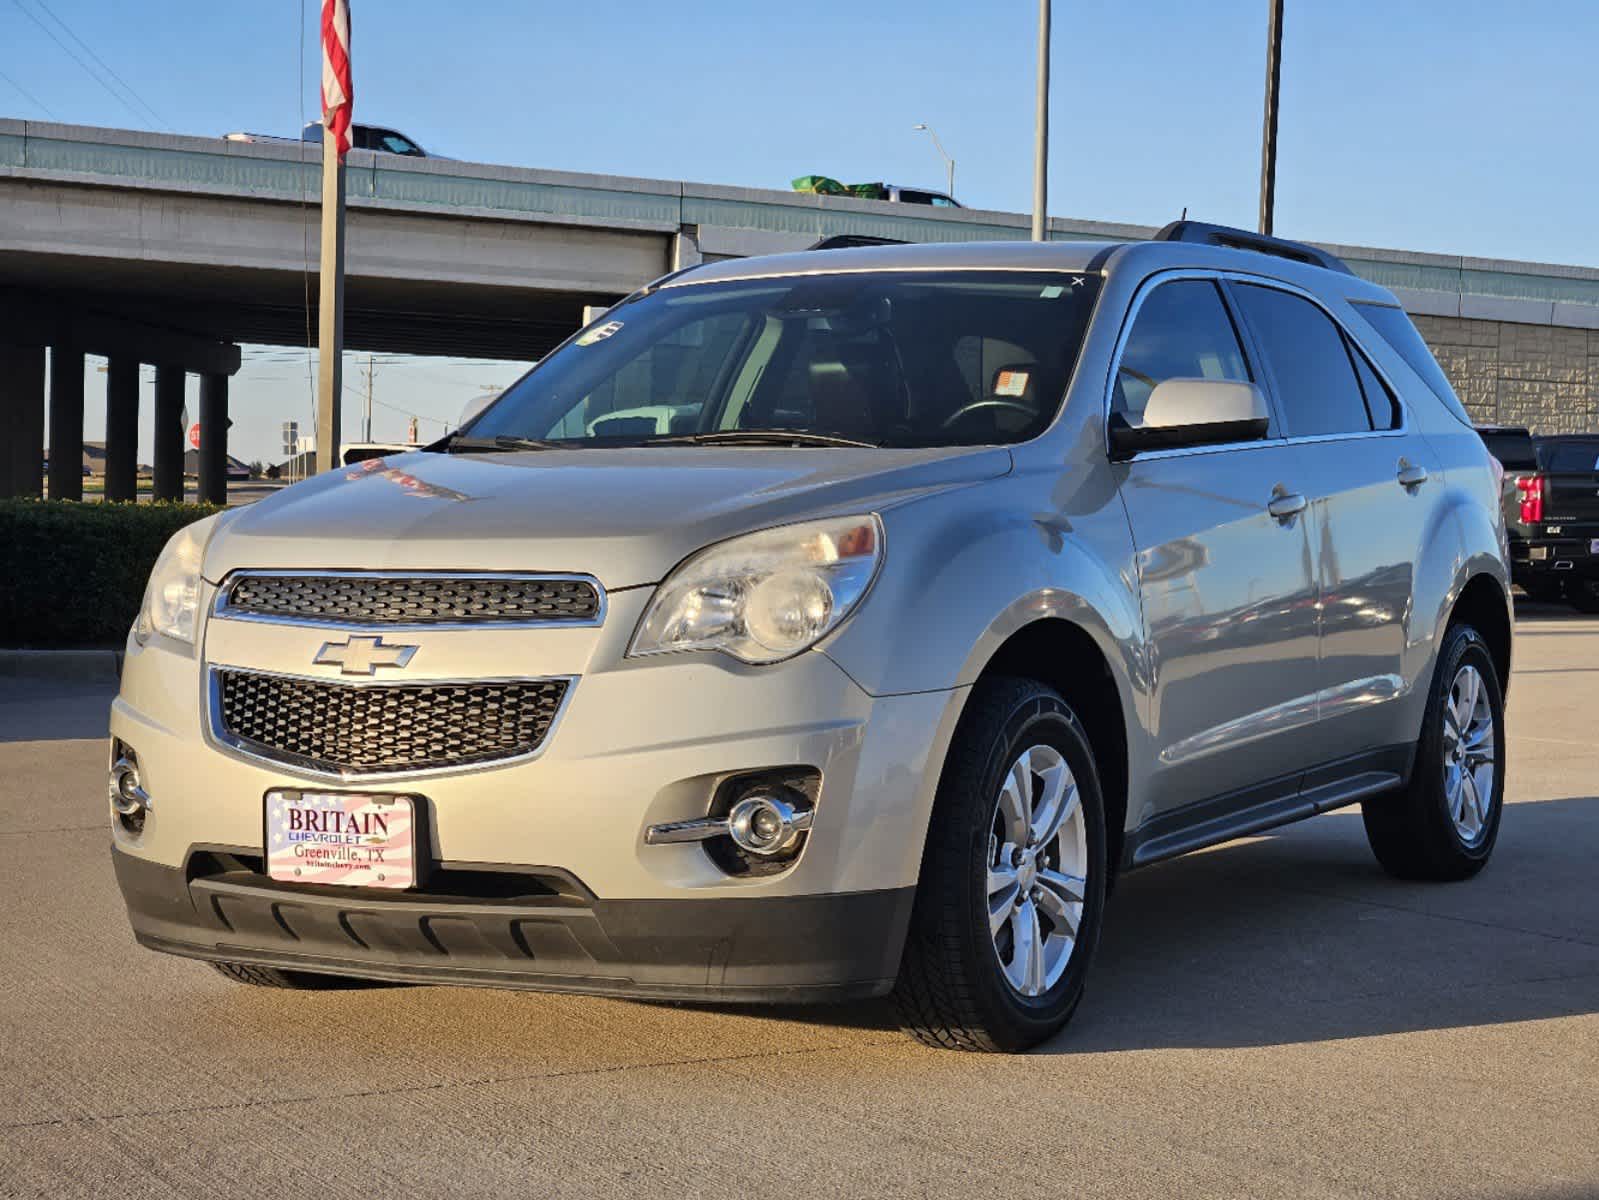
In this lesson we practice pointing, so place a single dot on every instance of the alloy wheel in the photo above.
(1469, 755)
(1037, 870)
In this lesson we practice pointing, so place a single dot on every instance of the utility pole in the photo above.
(1268, 133)
(366, 413)
(1041, 130)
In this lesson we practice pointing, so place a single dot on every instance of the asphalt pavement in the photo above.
(1274, 1018)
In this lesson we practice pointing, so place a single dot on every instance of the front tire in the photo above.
(1443, 824)
(1012, 888)
(276, 977)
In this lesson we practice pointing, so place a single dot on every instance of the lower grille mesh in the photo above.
(388, 727)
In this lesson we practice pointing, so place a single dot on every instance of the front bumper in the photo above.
(767, 949)
(639, 743)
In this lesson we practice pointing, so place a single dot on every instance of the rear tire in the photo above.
(1443, 824)
(276, 977)
(1545, 591)
(992, 961)
(1583, 594)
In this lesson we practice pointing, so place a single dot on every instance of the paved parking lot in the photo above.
(1273, 1018)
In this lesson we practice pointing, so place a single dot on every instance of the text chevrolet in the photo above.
(834, 625)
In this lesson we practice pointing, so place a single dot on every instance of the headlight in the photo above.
(172, 597)
(765, 596)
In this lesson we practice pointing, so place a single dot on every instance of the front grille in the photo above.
(348, 729)
(413, 600)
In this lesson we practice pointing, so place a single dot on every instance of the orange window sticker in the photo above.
(1011, 383)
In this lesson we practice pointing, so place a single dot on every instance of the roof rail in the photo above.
(1243, 239)
(844, 241)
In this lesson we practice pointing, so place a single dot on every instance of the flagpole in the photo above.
(330, 332)
(338, 100)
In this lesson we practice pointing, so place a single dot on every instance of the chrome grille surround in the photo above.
(344, 730)
(411, 599)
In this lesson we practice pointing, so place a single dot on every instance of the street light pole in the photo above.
(1041, 130)
(949, 163)
(1268, 133)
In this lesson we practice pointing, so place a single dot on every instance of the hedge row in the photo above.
(73, 574)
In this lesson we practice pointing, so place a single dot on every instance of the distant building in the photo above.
(191, 465)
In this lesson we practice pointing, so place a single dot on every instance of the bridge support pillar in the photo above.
(66, 422)
(122, 429)
(168, 447)
(22, 413)
(686, 247)
(213, 439)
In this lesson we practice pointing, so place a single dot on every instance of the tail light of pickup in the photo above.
(1531, 490)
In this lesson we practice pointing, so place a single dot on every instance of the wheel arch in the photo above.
(1483, 604)
(1067, 657)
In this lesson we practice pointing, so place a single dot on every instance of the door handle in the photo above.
(1411, 475)
(1285, 505)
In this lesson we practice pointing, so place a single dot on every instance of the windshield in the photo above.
(903, 359)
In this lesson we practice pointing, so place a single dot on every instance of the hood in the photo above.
(625, 516)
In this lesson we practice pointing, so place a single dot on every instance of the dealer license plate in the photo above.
(353, 839)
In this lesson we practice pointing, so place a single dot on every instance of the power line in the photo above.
(29, 96)
(72, 54)
(126, 86)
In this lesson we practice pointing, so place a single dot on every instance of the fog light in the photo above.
(764, 824)
(128, 796)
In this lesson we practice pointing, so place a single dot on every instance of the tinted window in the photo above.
(1400, 332)
(1182, 331)
(1381, 406)
(910, 359)
(1573, 456)
(1512, 447)
(1317, 392)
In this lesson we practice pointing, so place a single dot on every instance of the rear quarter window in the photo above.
(1396, 328)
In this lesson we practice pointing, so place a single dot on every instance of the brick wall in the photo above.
(1540, 376)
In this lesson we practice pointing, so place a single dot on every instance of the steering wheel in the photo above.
(980, 405)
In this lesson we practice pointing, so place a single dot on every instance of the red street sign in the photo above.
(194, 435)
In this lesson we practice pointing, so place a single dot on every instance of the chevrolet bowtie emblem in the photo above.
(362, 655)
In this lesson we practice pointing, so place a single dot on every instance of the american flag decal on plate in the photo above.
(348, 839)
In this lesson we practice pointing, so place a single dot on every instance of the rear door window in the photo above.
(1381, 406)
(1318, 393)
(1182, 331)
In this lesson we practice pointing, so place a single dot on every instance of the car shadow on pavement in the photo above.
(1298, 936)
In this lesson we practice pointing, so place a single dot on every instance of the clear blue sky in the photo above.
(1463, 126)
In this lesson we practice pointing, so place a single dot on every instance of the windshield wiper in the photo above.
(456, 444)
(756, 437)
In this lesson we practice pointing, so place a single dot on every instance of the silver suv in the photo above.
(834, 625)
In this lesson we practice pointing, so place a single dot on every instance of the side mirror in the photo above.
(1192, 412)
(474, 406)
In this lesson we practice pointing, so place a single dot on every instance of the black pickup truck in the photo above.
(1551, 498)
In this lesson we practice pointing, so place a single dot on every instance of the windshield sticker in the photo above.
(1051, 292)
(598, 334)
(1011, 383)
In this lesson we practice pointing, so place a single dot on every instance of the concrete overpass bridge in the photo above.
(173, 250)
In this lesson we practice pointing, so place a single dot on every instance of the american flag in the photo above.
(338, 93)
